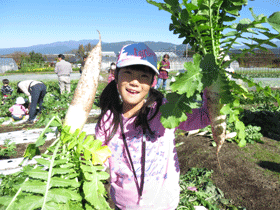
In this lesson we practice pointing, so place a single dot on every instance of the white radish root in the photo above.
(218, 121)
(84, 95)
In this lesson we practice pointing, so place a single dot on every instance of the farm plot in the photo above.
(249, 177)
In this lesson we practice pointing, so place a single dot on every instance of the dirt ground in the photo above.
(246, 181)
(242, 179)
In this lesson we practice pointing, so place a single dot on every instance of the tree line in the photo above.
(22, 58)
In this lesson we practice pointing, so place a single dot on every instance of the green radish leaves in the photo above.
(192, 78)
(205, 25)
(274, 21)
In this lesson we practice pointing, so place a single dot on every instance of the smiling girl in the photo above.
(144, 165)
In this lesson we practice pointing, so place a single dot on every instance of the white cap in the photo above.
(20, 100)
(137, 54)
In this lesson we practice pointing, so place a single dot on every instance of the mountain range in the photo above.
(69, 46)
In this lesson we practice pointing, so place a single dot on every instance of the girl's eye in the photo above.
(145, 76)
(127, 72)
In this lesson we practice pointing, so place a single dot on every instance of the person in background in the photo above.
(83, 64)
(6, 90)
(36, 91)
(154, 82)
(112, 72)
(63, 69)
(163, 72)
(144, 166)
(18, 111)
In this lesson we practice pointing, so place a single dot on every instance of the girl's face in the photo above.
(134, 85)
(165, 58)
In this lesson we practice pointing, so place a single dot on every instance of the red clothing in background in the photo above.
(155, 81)
(111, 77)
(162, 73)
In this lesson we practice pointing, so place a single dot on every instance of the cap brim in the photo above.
(131, 62)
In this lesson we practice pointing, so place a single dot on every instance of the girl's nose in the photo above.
(135, 81)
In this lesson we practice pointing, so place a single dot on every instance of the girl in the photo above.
(144, 166)
(18, 110)
(112, 72)
(163, 72)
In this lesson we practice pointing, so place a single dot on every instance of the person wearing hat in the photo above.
(63, 69)
(112, 69)
(18, 111)
(36, 91)
(144, 166)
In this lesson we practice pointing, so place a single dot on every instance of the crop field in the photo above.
(249, 177)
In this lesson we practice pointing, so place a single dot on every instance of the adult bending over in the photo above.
(63, 69)
(36, 91)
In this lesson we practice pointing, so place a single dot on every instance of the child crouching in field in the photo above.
(144, 166)
(6, 90)
(18, 110)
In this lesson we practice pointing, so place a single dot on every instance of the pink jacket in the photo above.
(18, 110)
(161, 184)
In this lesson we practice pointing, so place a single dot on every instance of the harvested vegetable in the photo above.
(218, 121)
(84, 95)
(202, 23)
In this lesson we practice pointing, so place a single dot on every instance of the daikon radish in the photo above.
(84, 95)
(218, 121)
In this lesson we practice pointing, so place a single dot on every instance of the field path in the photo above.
(20, 77)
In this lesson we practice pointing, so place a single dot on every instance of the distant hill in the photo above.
(52, 48)
(71, 46)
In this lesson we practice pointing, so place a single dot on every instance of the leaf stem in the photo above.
(18, 192)
(212, 32)
(50, 175)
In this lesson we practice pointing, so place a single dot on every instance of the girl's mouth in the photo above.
(132, 91)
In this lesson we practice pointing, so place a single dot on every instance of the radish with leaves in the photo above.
(202, 24)
(69, 175)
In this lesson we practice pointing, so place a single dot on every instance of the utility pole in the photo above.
(187, 50)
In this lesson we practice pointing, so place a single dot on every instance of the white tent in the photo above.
(7, 64)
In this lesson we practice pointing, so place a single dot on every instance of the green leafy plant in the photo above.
(253, 134)
(202, 24)
(8, 149)
(11, 183)
(67, 176)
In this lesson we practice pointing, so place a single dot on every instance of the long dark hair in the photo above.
(110, 100)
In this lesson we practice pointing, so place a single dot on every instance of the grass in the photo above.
(263, 155)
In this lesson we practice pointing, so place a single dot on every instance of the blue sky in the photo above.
(31, 22)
